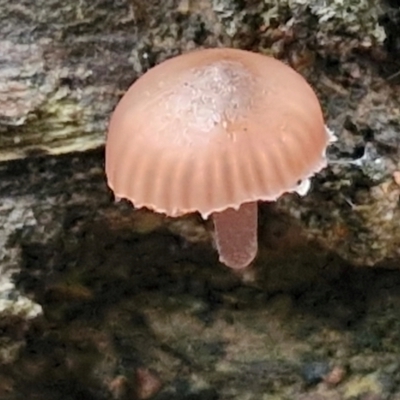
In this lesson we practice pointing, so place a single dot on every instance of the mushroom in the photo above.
(215, 131)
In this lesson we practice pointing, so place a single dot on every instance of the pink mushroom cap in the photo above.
(213, 129)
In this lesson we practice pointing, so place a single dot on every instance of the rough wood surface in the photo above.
(64, 66)
(110, 303)
(98, 301)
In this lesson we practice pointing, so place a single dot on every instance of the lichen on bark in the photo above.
(325, 21)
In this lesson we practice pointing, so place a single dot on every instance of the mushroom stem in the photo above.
(236, 235)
